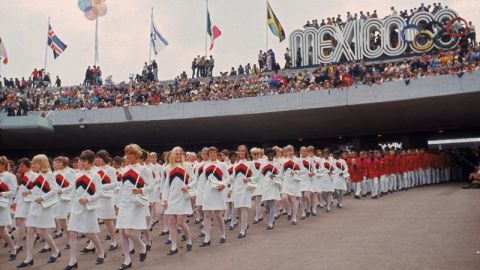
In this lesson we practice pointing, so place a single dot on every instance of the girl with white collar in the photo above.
(8, 189)
(176, 196)
(85, 203)
(271, 172)
(292, 176)
(65, 181)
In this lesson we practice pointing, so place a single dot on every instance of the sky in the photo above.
(124, 32)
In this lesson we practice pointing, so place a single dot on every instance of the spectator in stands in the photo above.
(241, 70)
(233, 72)
(299, 58)
(288, 58)
(211, 66)
(393, 11)
(248, 69)
(58, 82)
(194, 67)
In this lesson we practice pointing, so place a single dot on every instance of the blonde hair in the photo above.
(288, 148)
(172, 154)
(133, 149)
(4, 161)
(43, 161)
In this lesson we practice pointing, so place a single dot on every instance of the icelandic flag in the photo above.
(55, 43)
(157, 41)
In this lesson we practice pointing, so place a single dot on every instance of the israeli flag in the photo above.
(157, 41)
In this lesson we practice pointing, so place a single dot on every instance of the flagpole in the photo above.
(266, 26)
(206, 23)
(46, 46)
(150, 39)
(96, 43)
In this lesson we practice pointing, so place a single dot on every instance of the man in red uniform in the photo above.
(355, 169)
(372, 165)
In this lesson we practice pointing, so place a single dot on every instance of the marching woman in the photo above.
(85, 203)
(326, 181)
(271, 174)
(241, 186)
(306, 185)
(133, 204)
(315, 187)
(106, 211)
(40, 215)
(292, 176)
(8, 188)
(158, 181)
(340, 172)
(231, 213)
(65, 180)
(176, 197)
(257, 156)
(213, 198)
(200, 176)
(117, 164)
(25, 182)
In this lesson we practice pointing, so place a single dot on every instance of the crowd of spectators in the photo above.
(38, 78)
(406, 14)
(93, 76)
(183, 89)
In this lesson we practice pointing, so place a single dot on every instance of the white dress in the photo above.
(131, 215)
(158, 181)
(291, 183)
(8, 188)
(44, 186)
(339, 171)
(257, 164)
(82, 220)
(200, 182)
(229, 199)
(116, 190)
(242, 195)
(65, 179)
(307, 183)
(324, 176)
(271, 190)
(108, 178)
(318, 169)
(179, 202)
(212, 199)
(24, 184)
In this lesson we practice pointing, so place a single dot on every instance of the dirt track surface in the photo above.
(433, 227)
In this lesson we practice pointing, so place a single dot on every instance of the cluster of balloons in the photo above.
(92, 9)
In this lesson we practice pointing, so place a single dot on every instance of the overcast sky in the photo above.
(124, 32)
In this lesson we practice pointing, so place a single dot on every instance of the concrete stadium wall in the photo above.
(386, 92)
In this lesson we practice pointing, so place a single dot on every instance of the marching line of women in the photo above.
(124, 192)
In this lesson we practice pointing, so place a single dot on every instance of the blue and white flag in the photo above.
(157, 41)
(55, 43)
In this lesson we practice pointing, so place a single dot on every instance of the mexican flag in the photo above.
(213, 31)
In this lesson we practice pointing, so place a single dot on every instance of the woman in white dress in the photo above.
(117, 164)
(8, 189)
(213, 198)
(326, 181)
(306, 185)
(240, 185)
(176, 196)
(85, 202)
(133, 204)
(25, 182)
(200, 176)
(339, 173)
(65, 181)
(316, 191)
(108, 178)
(40, 215)
(231, 212)
(257, 155)
(292, 173)
(271, 175)
(157, 174)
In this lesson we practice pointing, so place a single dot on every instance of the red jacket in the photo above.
(372, 168)
(356, 171)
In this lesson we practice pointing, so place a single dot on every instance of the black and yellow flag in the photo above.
(274, 23)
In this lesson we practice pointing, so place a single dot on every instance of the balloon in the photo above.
(97, 2)
(90, 15)
(85, 5)
(100, 9)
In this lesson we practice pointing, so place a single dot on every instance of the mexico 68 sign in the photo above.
(373, 38)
